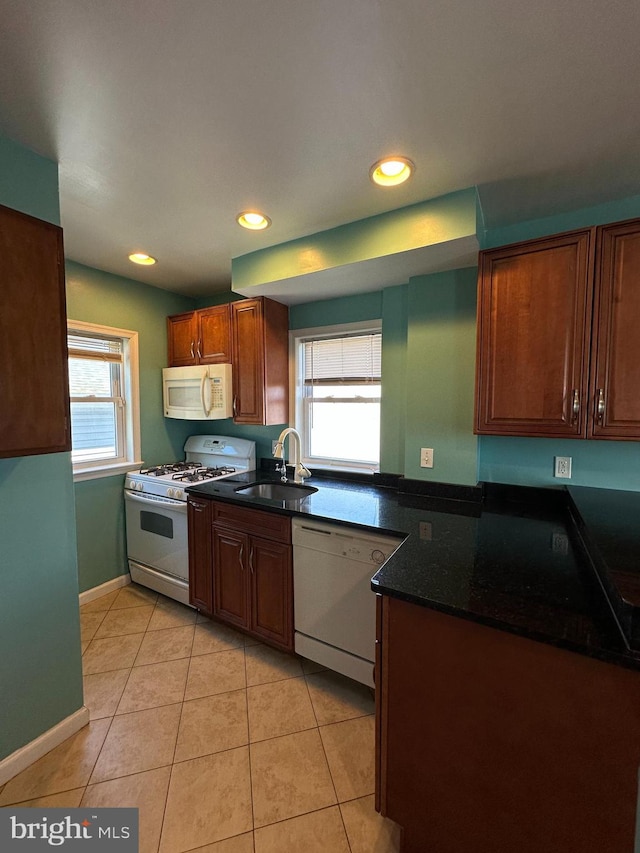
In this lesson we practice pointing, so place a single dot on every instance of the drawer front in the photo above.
(269, 525)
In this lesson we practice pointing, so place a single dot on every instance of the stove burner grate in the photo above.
(170, 468)
(202, 474)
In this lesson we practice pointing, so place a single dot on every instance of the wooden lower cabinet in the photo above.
(271, 591)
(200, 570)
(249, 569)
(486, 741)
(230, 577)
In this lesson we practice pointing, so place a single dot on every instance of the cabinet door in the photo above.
(271, 591)
(616, 375)
(34, 380)
(230, 584)
(214, 335)
(200, 569)
(248, 362)
(181, 339)
(533, 333)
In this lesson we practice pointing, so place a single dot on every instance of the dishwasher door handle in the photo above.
(315, 530)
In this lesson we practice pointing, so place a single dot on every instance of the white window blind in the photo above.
(352, 360)
(98, 347)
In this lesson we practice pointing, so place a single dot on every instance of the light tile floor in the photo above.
(224, 744)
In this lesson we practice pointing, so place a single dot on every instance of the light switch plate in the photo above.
(426, 457)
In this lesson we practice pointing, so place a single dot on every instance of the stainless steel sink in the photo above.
(276, 491)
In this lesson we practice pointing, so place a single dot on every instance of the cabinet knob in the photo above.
(198, 349)
(193, 355)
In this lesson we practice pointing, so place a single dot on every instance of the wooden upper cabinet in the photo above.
(214, 335)
(181, 337)
(260, 361)
(558, 342)
(34, 381)
(615, 388)
(534, 309)
(200, 337)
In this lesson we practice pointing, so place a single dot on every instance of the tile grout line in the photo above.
(246, 700)
(93, 767)
(115, 710)
(175, 745)
(324, 752)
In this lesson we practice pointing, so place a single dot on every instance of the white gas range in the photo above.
(156, 509)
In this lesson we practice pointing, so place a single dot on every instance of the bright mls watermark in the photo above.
(34, 830)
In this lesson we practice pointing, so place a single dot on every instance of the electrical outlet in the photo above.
(426, 530)
(562, 467)
(559, 543)
(426, 457)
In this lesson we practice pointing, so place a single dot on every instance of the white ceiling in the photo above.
(168, 117)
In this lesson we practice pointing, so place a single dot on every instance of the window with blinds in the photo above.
(345, 360)
(338, 412)
(99, 388)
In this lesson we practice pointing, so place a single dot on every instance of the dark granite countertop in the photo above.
(518, 560)
(608, 522)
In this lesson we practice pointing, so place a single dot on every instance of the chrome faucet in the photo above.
(300, 472)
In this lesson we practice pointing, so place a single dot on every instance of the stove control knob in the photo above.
(179, 494)
(132, 484)
(170, 493)
(140, 487)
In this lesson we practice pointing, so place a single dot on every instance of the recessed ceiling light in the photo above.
(141, 258)
(253, 220)
(391, 171)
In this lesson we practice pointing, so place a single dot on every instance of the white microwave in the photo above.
(199, 393)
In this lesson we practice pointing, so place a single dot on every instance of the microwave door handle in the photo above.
(205, 409)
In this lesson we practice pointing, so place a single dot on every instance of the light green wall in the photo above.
(40, 664)
(28, 182)
(393, 409)
(529, 461)
(428, 223)
(428, 334)
(614, 211)
(440, 372)
(99, 297)
(346, 309)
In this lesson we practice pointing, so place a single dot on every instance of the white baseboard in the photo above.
(104, 588)
(35, 749)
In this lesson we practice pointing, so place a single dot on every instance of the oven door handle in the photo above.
(155, 501)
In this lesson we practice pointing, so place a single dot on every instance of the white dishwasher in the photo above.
(334, 605)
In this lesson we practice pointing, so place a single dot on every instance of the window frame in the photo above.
(130, 420)
(297, 405)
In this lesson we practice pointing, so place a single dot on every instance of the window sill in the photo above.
(105, 471)
(338, 468)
